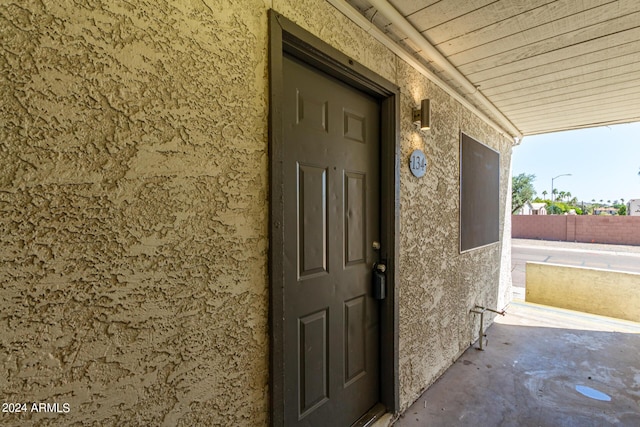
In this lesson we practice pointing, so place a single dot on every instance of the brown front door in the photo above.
(331, 220)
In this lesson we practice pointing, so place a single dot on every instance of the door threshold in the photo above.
(371, 418)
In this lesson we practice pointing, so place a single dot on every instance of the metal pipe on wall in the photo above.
(481, 310)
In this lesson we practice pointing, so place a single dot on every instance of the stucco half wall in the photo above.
(134, 226)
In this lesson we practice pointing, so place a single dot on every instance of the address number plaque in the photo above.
(418, 163)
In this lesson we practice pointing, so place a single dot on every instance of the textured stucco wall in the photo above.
(133, 192)
(505, 291)
(133, 225)
(331, 26)
(439, 286)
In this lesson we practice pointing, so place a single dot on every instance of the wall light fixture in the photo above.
(422, 115)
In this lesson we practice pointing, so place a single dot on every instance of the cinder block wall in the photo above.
(543, 227)
(620, 230)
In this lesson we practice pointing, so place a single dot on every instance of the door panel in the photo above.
(355, 208)
(331, 218)
(355, 339)
(312, 219)
(314, 368)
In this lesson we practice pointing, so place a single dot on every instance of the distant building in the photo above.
(532, 209)
(633, 207)
(605, 211)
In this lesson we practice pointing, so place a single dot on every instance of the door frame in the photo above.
(286, 36)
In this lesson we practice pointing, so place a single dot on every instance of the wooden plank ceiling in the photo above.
(546, 65)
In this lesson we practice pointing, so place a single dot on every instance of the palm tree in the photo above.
(561, 195)
(544, 194)
(568, 195)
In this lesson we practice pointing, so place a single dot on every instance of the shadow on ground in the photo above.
(541, 367)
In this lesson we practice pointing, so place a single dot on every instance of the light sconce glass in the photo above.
(422, 116)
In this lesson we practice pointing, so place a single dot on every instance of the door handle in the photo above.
(379, 281)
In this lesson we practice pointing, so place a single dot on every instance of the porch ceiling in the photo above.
(545, 65)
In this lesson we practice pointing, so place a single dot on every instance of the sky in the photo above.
(603, 162)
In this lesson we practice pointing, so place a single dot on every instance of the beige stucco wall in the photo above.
(133, 243)
(133, 192)
(439, 286)
(589, 290)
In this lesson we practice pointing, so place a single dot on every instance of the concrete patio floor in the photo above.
(541, 366)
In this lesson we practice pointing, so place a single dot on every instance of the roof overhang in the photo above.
(531, 67)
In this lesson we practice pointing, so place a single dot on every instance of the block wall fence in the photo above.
(619, 230)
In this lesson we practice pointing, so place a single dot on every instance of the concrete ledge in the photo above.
(590, 290)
